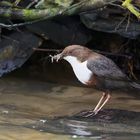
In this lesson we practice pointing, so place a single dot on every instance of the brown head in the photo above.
(80, 52)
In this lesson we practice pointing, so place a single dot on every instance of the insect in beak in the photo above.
(56, 57)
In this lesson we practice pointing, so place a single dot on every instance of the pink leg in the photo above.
(103, 100)
(103, 104)
(100, 101)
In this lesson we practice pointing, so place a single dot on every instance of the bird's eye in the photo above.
(70, 52)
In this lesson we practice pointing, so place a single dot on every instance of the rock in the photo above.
(107, 122)
(16, 49)
(105, 23)
(64, 31)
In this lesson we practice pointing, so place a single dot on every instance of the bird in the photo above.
(95, 70)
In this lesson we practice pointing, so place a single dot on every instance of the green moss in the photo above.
(7, 14)
(38, 14)
(6, 3)
(43, 4)
(64, 3)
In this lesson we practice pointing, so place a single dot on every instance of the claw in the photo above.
(87, 114)
(91, 114)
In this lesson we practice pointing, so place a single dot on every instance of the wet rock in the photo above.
(64, 31)
(108, 121)
(112, 116)
(115, 24)
(16, 49)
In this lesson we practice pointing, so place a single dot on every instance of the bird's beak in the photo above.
(56, 57)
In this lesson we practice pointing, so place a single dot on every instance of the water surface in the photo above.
(35, 110)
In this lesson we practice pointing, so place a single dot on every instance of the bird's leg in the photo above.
(96, 110)
(100, 101)
(103, 100)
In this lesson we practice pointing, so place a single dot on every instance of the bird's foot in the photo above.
(87, 114)
(91, 114)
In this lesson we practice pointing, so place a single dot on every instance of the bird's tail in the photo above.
(135, 85)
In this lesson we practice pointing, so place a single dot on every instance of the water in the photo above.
(35, 110)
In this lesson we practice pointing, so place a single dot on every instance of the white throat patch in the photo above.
(80, 69)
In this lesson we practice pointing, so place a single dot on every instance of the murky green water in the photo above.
(34, 110)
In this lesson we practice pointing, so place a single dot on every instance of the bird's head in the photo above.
(76, 51)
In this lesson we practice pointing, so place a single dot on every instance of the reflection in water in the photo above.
(33, 110)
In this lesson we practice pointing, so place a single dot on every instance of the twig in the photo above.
(32, 3)
(10, 26)
(105, 53)
(17, 2)
(22, 24)
(128, 4)
(47, 50)
(121, 22)
(116, 5)
(128, 22)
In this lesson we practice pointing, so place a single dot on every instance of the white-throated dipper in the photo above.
(95, 70)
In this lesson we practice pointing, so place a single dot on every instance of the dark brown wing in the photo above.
(105, 67)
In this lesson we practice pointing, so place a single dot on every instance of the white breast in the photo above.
(80, 69)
